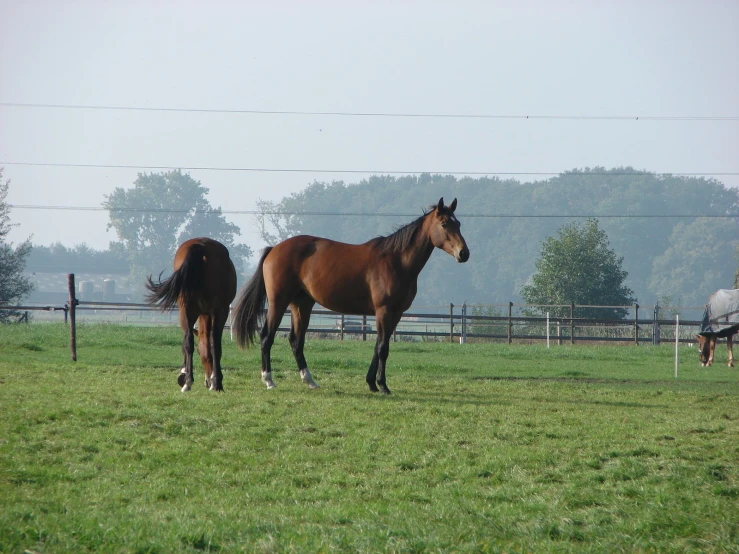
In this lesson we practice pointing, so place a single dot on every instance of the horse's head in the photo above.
(704, 349)
(444, 231)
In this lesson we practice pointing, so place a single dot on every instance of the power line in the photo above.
(375, 114)
(365, 171)
(360, 214)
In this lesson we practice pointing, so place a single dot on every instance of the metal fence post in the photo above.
(364, 327)
(341, 332)
(655, 326)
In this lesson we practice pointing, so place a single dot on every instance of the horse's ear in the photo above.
(453, 205)
(440, 205)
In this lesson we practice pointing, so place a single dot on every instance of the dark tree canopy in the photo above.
(14, 286)
(578, 267)
(161, 211)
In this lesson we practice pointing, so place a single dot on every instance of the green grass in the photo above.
(480, 448)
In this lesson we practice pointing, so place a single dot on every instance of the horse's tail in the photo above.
(187, 280)
(247, 315)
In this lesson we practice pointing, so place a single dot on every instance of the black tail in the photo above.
(247, 315)
(186, 281)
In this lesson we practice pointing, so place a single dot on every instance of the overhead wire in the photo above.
(366, 171)
(372, 114)
(357, 214)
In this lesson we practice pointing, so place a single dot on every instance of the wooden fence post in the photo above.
(341, 333)
(510, 323)
(572, 323)
(636, 324)
(655, 326)
(451, 322)
(364, 327)
(72, 321)
(463, 338)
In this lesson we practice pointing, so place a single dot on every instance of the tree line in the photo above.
(617, 236)
(648, 220)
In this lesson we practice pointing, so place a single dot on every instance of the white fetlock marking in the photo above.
(308, 378)
(183, 370)
(186, 387)
(267, 379)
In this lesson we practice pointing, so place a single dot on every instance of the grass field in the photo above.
(480, 448)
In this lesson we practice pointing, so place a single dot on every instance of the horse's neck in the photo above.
(418, 253)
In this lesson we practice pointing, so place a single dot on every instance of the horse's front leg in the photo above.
(372, 371)
(383, 350)
(386, 322)
(711, 349)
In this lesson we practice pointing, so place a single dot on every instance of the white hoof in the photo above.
(308, 378)
(267, 380)
(186, 388)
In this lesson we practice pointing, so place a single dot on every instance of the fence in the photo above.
(503, 322)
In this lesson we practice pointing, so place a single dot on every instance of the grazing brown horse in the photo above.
(379, 277)
(202, 286)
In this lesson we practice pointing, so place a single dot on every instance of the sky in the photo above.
(192, 74)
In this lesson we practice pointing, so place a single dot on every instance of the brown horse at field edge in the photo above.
(202, 286)
(379, 277)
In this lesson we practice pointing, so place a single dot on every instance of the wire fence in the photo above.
(511, 323)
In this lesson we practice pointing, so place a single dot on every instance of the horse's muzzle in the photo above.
(463, 255)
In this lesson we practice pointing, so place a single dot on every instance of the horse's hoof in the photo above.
(373, 387)
(306, 377)
(207, 384)
(181, 379)
(267, 380)
(186, 388)
(384, 389)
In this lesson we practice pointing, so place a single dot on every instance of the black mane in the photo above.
(403, 236)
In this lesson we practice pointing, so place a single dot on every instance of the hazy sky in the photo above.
(589, 58)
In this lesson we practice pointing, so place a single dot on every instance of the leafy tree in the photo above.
(159, 213)
(273, 216)
(694, 265)
(14, 286)
(579, 267)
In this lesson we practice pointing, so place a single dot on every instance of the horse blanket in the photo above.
(722, 312)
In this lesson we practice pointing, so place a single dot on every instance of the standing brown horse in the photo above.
(379, 277)
(202, 286)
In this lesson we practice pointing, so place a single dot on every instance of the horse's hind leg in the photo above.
(301, 308)
(205, 330)
(216, 336)
(271, 324)
(729, 345)
(187, 322)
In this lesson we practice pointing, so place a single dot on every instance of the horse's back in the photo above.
(337, 275)
(721, 315)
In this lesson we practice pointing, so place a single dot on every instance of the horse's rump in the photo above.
(187, 279)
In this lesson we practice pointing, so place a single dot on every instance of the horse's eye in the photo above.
(444, 225)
